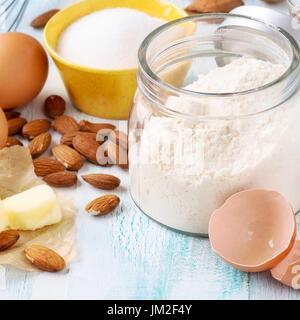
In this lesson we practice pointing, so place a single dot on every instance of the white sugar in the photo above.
(107, 39)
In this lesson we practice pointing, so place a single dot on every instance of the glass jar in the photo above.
(191, 148)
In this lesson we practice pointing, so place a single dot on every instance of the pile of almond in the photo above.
(98, 143)
(42, 257)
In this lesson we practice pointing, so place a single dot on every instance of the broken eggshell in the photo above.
(253, 230)
(288, 270)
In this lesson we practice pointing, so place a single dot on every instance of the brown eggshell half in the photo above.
(254, 230)
(288, 270)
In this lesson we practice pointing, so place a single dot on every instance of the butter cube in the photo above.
(32, 209)
(4, 224)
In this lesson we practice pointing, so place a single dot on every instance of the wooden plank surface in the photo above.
(125, 255)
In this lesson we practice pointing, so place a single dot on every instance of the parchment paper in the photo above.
(17, 175)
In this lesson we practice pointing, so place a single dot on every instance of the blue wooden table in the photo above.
(125, 255)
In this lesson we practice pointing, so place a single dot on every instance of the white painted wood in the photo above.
(125, 255)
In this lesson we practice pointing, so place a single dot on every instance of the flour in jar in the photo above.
(181, 171)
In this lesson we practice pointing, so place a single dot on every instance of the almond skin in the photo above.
(102, 181)
(65, 124)
(117, 155)
(39, 144)
(54, 106)
(213, 6)
(69, 157)
(34, 128)
(95, 127)
(41, 20)
(45, 258)
(15, 125)
(61, 179)
(67, 138)
(86, 147)
(103, 205)
(46, 166)
(10, 142)
(11, 114)
(8, 238)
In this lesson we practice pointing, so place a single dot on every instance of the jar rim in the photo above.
(147, 71)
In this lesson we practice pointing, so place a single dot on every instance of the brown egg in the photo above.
(23, 69)
(253, 230)
(3, 129)
(288, 270)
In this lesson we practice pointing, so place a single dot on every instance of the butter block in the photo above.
(32, 209)
(4, 224)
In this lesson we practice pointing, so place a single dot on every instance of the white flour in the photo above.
(182, 187)
(107, 39)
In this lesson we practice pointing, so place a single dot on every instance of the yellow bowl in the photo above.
(102, 93)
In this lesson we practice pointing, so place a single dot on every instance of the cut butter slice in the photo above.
(32, 209)
(4, 224)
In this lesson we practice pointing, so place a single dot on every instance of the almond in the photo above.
(15, 125)
(103, 205)
(120, 138)
(45, 258)
(117, 155)
(61, 179)
(65, 124)
(69, 157)
(89, 148)
(67, 138)
(12, 114)
(36, 127)
(102, 181)
(46, 166)
(8, 238)
(212, 6)
(10, 142)
(95, 127)
(39, 144)
(41, 20)
(54, 106)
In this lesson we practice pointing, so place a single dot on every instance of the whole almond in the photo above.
(34, 128)
(65, 124)
(46, 166)
(102, 181)
(67, 138)
(54, 106)
(8, 238)
(117, 155)
(95, 127)
(15, 125)
(212, 6)
(120, 138)
(39, 144)
(10, 142)
(103, 205)
(12, 114)
(61, 179)
(45, 258)
(41, 20)
(69, 157)
(86, 147)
